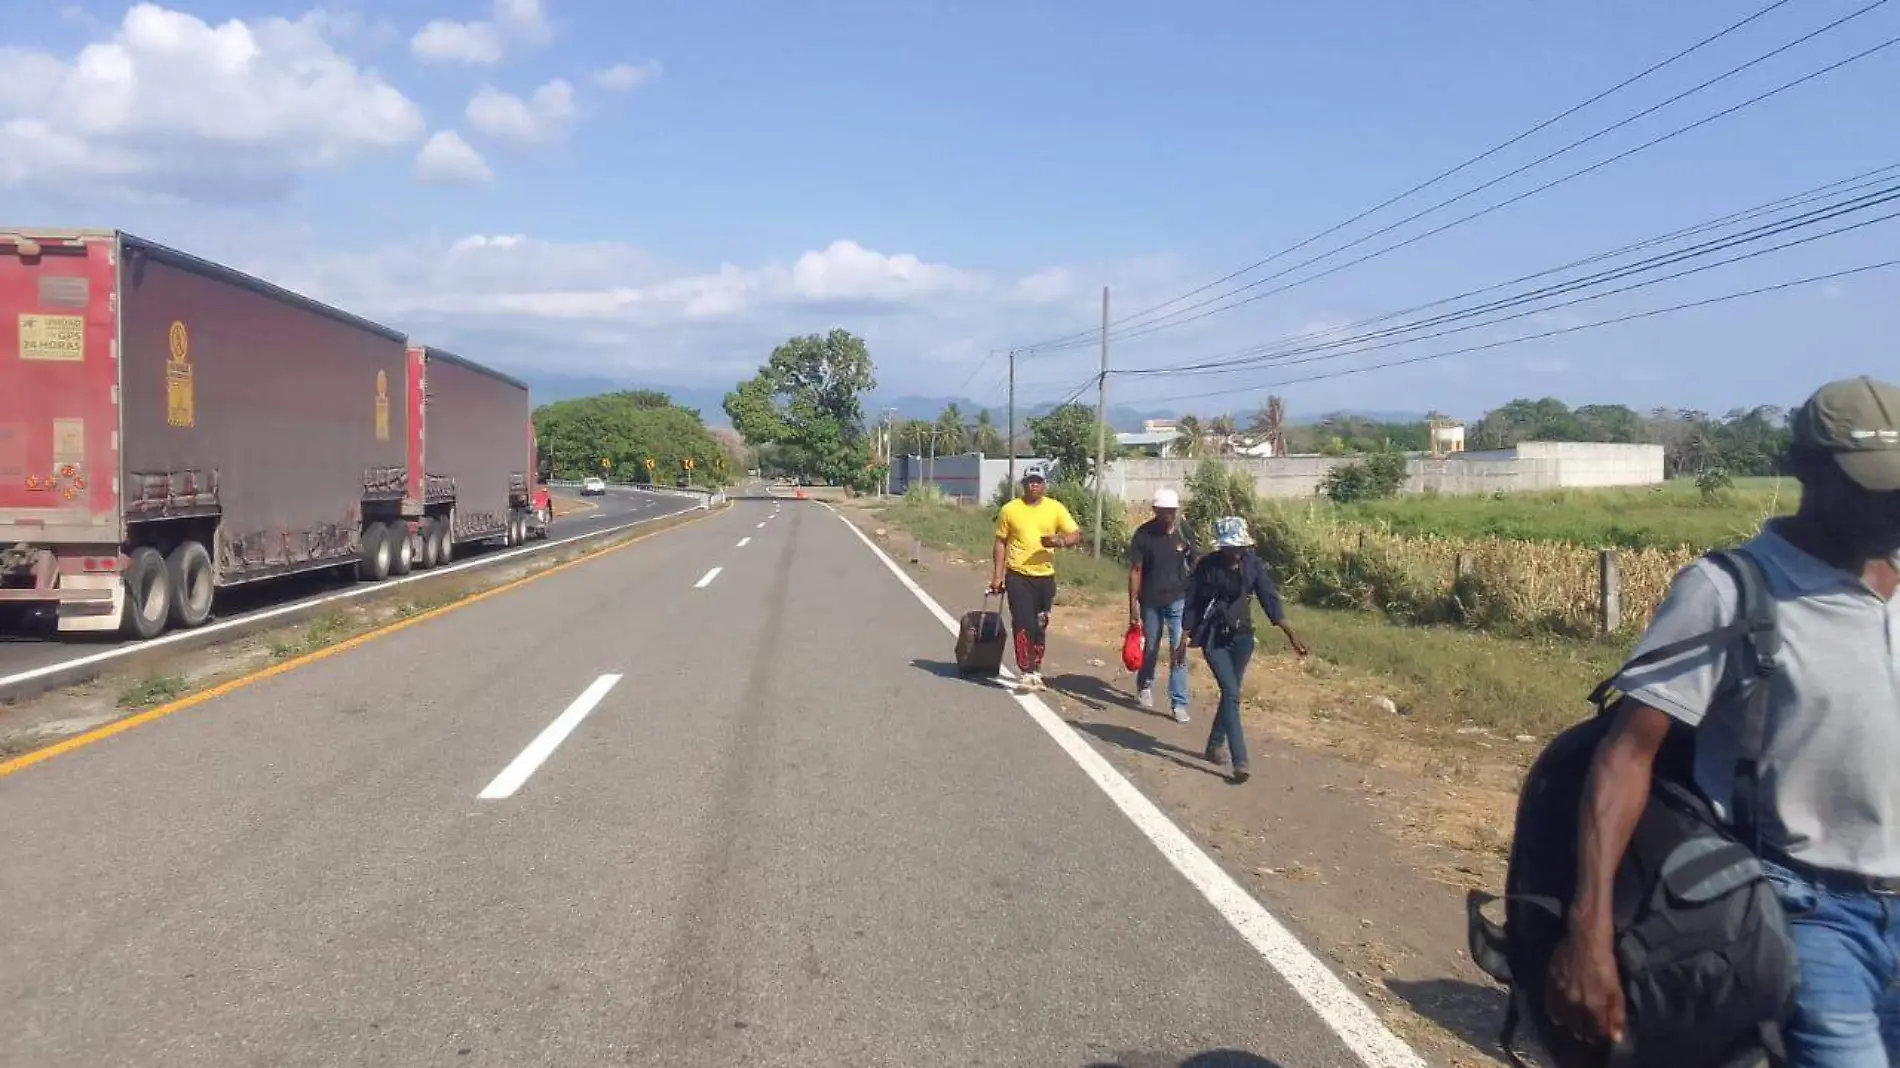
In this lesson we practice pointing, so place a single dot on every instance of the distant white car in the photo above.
(593, 487)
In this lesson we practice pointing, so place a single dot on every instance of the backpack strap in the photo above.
(1761, 647)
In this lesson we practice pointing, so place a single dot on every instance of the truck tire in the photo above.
(518, 528)
(373, 566)
(188, 568)
(444, 543)
(402, 548)
(148, 594)
(425, 545)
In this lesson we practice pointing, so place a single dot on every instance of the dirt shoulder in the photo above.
(1361, 826)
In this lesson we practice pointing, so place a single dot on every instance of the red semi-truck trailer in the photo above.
(170, 427)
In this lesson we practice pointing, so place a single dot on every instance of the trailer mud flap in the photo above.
(90, 604)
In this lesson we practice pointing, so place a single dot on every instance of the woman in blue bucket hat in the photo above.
(1220, 624)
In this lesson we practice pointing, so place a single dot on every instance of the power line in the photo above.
(1151, 328)
(1652, 313)
(1860, 181)
(1888, 195)
(1442, 175)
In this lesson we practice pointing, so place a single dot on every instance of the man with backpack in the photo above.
(1795, 745)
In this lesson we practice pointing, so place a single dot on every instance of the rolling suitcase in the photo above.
(980, 641)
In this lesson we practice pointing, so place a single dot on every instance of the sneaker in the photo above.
(1145, 697)
(1180, 715)
(1030, 682)
(1240, 775)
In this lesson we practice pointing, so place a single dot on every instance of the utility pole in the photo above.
(1101, 428)
(1012, 424)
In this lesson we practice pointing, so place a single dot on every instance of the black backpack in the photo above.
(1705, 952)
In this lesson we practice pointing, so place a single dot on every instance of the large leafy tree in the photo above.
(625, 430)
(1068, 436)
(807, 401)
(986, 439)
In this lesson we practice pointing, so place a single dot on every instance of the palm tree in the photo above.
(988, 439)
(1193, 436)
(950, 431)
(1269, 423)
(1222, 430)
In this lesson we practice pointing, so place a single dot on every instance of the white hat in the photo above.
(1167, 498)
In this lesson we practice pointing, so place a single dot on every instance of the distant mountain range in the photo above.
(547, 388)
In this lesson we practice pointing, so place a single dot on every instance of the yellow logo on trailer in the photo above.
(382, 406)
(181, 407)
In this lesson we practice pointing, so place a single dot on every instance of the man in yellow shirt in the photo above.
(1023, 568)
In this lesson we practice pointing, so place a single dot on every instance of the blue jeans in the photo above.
(1847, 1006)
(1152, 618)
(1229, 663)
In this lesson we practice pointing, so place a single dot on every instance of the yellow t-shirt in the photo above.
(1024, 525)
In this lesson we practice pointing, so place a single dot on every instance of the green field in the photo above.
(1672, 515)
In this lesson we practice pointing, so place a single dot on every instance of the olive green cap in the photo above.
(1857, 421)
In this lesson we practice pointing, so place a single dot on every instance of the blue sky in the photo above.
(658, 192)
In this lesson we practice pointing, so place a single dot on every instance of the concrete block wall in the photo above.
(971, 476)
(1529, 467)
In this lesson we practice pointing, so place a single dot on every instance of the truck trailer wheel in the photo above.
(425, 544)
(402, 548)
(189, 570)
(444, 537)
(148, 594)
(374, 563)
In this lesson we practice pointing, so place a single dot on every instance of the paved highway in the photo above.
(27, 645)
(709, 799)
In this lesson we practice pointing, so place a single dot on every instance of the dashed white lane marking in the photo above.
(1343, 1011)
(707, 579)
(743, 542)
(545, 743)
(761, 526)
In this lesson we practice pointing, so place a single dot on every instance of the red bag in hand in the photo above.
(1134, 648)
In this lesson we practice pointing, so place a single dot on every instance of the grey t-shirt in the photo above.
(1830, 773)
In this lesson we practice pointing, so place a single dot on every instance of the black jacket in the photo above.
(1217, 598)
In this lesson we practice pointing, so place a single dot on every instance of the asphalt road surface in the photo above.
(29, 644)
(692, 802)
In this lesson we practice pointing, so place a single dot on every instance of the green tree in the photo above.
(951, 435)
(1068, 436)
(626, 430)
(987, 439)
(808, 401)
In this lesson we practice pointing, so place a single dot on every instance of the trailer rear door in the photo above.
(59, 413)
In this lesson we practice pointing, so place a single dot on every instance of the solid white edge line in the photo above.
(362, 590)
(545, 743)
(707, 579)
(1347, 1014)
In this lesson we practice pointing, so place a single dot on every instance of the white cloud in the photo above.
(483, 41)
(448, 160)
(171, 104)
(544, 116)
(623, 77)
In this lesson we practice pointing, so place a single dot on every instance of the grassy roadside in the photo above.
(160, 678)
(1438, 676)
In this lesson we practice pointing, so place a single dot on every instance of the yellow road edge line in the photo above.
(119, 726)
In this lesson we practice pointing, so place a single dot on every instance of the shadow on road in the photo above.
(1471, 1011)
(1092, 692)
(948, 670)
(1146, 744)
(1214, 1058)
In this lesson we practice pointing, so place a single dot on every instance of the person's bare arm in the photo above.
(1585, 991)
(1134, 592)
(998, 555)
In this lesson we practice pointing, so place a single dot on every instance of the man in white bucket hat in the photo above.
(1159, 559)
